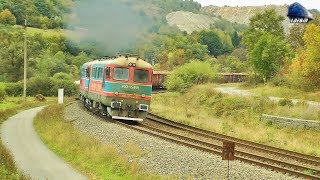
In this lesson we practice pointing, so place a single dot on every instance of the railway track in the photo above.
(293, 163)
(281, 160)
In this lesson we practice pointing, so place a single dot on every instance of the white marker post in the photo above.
(60, 96)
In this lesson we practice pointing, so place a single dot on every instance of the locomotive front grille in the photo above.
(143, 107)
(116, 104)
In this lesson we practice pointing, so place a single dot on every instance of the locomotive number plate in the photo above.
(126, 86)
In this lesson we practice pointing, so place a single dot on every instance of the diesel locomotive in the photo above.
(119, 87)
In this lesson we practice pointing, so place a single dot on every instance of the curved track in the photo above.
(294, 163)
(297, 164)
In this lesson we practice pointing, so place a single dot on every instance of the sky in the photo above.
(309, 4)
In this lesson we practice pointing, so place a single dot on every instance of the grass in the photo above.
(285, 92)
(10, 107)
(203, 107)
(94, 159)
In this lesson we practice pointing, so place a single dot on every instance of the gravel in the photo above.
(163, 157)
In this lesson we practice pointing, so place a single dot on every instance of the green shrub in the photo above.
(278, 81)
(228, 104)
(39, 85)
(14, 89)
(189, 74)
(2, 94)
(70, 88)
(62, 76)
(285, 102)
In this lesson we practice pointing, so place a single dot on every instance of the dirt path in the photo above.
(239, 92)
(31, 155)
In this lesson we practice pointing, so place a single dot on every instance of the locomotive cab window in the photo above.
(141, 76)
(121, 74)
(108, 72)
(88, 72)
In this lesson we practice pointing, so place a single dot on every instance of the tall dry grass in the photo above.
(201, 106)
(96, 160)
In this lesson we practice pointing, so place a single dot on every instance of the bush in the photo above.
(286, 102)
(2, 94)
(278, 81)
(189, 74)
(62, 76)
(70, 88)
(39, 85)
(229, 104)
(14, 89)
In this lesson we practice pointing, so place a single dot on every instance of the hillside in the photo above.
(189, 22)
(243, 14)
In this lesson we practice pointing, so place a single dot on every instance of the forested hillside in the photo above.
(67, 33)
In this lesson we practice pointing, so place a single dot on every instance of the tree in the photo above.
(11, 54)
(235, 39)
(265, 22)
(267, 55)
(6, 17)
(295, 36)
(212, 40)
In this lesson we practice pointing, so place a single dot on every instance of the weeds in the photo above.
(238, 116)
(96, 160)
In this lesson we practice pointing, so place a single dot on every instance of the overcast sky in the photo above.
(309, 4)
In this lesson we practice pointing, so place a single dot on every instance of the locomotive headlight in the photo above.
(143, 95)
(116, 93)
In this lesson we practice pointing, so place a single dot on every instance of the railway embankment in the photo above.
(162, 157)
(291, 122)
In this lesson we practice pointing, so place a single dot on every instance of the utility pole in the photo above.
(25, 63)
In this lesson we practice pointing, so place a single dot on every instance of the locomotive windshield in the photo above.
(121, 74)
(141, 76)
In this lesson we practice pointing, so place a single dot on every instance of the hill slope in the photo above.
(188, 21)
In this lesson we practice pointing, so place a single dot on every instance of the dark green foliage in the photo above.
(39, 13)
(2, 94)
(11, 53)
(266, 43)
(266, 22)
(235, 39)
(70, 89)
(39, 85)
(212, 41)
(14, 89)
(72, 47)
(43, 85)
(267, 55)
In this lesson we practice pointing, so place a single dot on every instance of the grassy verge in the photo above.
(285, 92)
(94, 159)
(10, 107)
(202, 107)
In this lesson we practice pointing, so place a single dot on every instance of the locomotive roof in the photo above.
(122, 61)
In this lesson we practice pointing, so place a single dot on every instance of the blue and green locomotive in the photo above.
(119, 87)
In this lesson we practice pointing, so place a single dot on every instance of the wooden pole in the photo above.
(25, 63)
